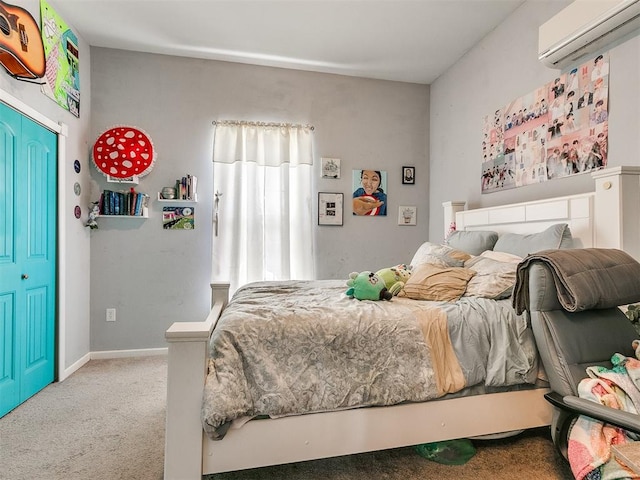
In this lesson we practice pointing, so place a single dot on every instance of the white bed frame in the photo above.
(608, 217)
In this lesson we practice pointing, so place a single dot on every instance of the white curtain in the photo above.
(264, 215)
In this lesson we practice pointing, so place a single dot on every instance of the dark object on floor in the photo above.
(449, 452)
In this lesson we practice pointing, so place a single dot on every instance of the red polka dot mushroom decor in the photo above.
(123, 152)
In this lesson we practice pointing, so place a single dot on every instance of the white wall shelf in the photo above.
(121, 204)
(175, 200)
(145, 215)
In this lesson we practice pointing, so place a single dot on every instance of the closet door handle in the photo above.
(25, 276)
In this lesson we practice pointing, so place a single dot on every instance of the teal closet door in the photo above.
(28, 168)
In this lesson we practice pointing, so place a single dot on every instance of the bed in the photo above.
(605, 218)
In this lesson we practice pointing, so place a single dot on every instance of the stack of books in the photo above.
(186, 188)
(130, 203)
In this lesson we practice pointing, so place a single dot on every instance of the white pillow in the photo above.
(493, 279)
(501, 256)
(440, 255)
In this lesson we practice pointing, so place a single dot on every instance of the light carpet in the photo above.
(106, 422)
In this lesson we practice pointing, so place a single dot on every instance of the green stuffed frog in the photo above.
(367, 286)
(395, 277)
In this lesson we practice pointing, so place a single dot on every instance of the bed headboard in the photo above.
(532, 217)
(608, 217)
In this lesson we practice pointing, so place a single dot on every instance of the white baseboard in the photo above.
(62, 375)
(106, 354)
(143, 352)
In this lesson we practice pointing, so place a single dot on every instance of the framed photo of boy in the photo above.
(369, 192)
(330, 208)
(409, 175)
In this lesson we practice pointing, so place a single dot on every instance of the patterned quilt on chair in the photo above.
(293, 347)
(590, 440)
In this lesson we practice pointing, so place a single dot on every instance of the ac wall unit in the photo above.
(583, 27)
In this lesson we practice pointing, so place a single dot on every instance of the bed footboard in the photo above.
(322, 435)
(186, 371)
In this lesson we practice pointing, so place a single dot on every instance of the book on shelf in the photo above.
(137, 208)
(121, 203)
(186, 188)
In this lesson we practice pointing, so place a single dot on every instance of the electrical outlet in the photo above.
(111, 314)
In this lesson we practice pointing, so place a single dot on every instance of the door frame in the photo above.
(62, 131)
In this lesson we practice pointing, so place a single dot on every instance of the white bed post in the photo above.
(617, 209)
(187, 368)
(450, 210)
(219, 294)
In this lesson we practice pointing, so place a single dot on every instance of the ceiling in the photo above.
(405, 40)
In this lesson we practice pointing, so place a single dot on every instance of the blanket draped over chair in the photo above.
(585, 278)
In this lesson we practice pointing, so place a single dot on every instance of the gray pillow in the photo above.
(556, 236)
(474, 242)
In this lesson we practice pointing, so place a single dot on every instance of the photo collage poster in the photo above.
(557, 130)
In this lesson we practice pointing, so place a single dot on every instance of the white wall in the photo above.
(503, 67)
(76, 244)
(154, 277)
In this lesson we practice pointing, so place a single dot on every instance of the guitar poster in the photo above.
(62, 77)
(21, 52)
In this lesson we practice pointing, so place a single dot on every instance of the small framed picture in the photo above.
(330, 167)
(409, 175)
(178, 218)
(407, 215)
(330, 206)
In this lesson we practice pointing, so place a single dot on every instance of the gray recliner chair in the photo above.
(569, 342)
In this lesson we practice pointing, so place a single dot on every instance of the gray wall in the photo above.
(155, 277)
(74, 240)
(503, 67)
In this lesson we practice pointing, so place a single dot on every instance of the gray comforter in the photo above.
(286, 348)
